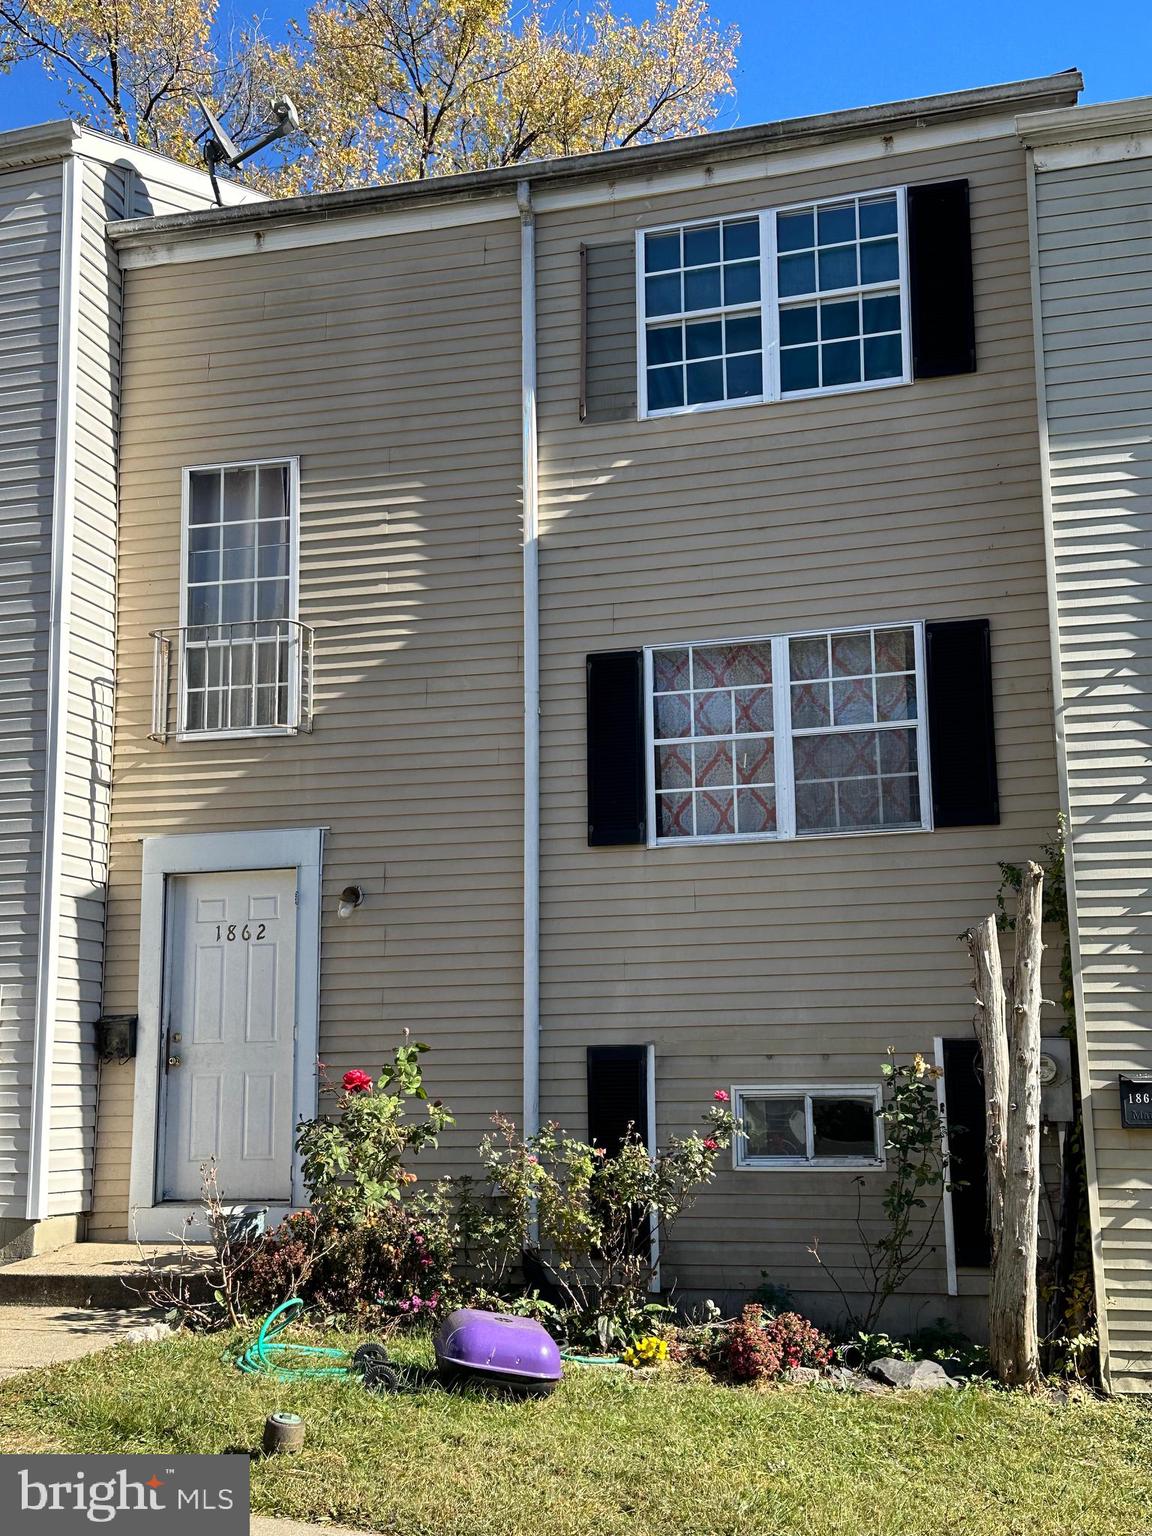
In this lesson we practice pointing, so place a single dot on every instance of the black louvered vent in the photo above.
(940, 280)
(617, 1094)
(617, 795)
(968, 1164)
(961, 723)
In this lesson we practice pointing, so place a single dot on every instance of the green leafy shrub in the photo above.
(584, 1219)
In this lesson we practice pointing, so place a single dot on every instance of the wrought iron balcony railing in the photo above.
(240, 679)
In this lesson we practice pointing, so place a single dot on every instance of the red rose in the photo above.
(712, 1146)
(356, 1081)
(721, 1096)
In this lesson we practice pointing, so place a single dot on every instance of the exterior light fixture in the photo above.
(350, 898)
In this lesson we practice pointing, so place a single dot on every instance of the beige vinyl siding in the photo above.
(392, 369)
(29, 302)
(794, 962)
(1094, 229)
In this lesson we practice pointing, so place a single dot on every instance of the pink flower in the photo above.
(531, 1159)
(721, 1096)
(356, 1081)
(711, 1145)
(599, 1152)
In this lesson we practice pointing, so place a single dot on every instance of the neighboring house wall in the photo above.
(29, 305)
(59, 402)
(803, 961)
(1094, 250)
(392, 368)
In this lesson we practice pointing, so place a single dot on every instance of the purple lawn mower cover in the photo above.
(500, 1350)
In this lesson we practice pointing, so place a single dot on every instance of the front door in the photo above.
(227, 1064)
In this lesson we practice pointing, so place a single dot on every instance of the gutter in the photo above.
(56, 734)
(530, 538)
(1043, 92)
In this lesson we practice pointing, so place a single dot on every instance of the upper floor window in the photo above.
(794, 301)
(839, 283)
(241, 647)
(704, 337)
(788, 736)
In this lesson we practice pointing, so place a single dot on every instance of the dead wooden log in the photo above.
(1008, 1027)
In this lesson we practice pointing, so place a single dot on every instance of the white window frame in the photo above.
(292, 464)
(744, 1161)
(782, 737)
(770, 307)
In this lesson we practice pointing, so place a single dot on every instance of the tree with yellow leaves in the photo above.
(387, 89)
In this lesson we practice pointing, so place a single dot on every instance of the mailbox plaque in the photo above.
(1136, 1103)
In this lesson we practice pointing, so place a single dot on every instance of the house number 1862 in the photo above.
(232, 931)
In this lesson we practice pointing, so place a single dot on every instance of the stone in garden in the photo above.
(151, 1333)
(802, 1375)
(914, 1375)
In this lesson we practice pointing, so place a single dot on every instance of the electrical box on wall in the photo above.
(1136, 1103)
(1056, 1102)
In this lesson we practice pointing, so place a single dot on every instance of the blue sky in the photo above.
(821, 55)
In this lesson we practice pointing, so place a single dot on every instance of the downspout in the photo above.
(56, 730)
(530, 537)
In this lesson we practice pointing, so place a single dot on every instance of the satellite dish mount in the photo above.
(220, 150)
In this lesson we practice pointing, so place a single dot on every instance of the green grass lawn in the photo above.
(611, 1455)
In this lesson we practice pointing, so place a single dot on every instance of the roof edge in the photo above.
(1097, 120)
(1045, 91)
(39, 144)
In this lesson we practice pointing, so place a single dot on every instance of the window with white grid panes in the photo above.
(701, 302)
(713, 735)
(854, 716)
(839, 280)
(788, 736)
(238, 632)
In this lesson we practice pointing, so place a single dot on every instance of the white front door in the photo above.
(227, 1052)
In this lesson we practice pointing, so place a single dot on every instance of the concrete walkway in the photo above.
(31, 1337)
(34, 1336)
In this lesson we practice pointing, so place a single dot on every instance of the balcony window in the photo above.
(240, 652)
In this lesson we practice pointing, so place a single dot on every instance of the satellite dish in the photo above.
(219, 149)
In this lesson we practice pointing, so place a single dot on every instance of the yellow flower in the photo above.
(649, 1351)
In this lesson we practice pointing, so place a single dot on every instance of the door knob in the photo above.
(173, 1061)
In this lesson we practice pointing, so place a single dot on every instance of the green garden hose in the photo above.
(267, 1356)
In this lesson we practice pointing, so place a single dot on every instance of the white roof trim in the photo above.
(1100, 134)
(319, 228)
(46, 143)
(318, 231)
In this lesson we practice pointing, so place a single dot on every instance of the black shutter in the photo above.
(617, 792)
(617, 1094)
(968, 1163)
(940, 280)
(961, 727)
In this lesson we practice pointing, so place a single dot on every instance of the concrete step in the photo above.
(94, 1274)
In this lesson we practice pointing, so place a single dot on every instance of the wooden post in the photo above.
(1008, 1026)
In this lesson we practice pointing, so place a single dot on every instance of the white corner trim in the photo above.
(530, 539)
(300, 848)
(56, 730)
(316, 231)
